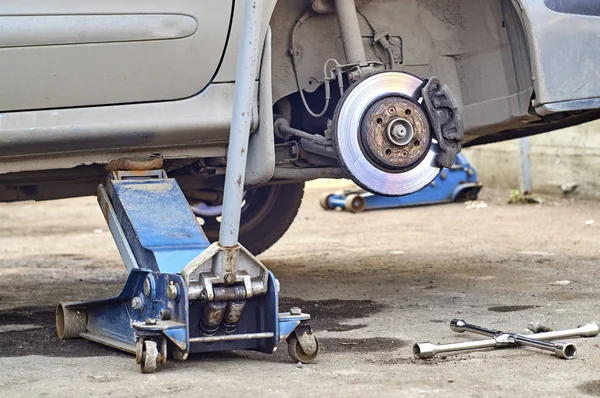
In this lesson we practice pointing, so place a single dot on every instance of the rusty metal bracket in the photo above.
(218, 265)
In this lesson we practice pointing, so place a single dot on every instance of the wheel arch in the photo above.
(479, 48)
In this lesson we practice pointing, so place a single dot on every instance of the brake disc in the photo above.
(383, 137)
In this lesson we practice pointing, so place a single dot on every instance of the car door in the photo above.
(73, 53)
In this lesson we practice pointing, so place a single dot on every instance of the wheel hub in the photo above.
(395, 133)
(382, 136)
(400, 132)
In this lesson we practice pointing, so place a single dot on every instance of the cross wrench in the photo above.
(563, 350)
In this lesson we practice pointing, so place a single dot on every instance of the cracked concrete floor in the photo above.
(375, 282)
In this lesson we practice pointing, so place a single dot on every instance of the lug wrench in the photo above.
(563, 350)
(586, 330)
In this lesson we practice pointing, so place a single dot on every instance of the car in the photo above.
(382, 92)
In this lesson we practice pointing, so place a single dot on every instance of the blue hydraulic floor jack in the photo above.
(456, 183)
(183, 294)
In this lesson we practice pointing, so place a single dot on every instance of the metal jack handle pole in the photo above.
(241, 123)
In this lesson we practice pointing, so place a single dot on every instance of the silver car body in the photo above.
(84, 83)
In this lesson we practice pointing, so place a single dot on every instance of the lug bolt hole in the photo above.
(388, 152)
(379, 120)
(407, 112)
(417, 142)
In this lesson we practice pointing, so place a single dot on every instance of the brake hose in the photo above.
(294, 53)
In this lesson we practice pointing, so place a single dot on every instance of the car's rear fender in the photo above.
(563, 40)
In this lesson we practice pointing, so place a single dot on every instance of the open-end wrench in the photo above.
(428, 350)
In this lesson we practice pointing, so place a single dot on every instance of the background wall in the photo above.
(561, 157)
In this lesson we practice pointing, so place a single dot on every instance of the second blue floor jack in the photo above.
(457, 183)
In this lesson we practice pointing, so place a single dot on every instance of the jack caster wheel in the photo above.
(297, 352)
(149, 359)
(324, 201)
(179, 355)
(355, 203)
(468, 194)
(472, 194)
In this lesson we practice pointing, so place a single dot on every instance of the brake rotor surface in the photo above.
(382, 135)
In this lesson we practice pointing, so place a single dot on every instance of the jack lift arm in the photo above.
(183, 294)
(456, 183)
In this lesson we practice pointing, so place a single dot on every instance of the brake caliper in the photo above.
(446, 120)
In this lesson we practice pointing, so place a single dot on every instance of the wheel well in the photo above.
(478, 48)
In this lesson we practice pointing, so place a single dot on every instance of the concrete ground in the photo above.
(375, 282)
